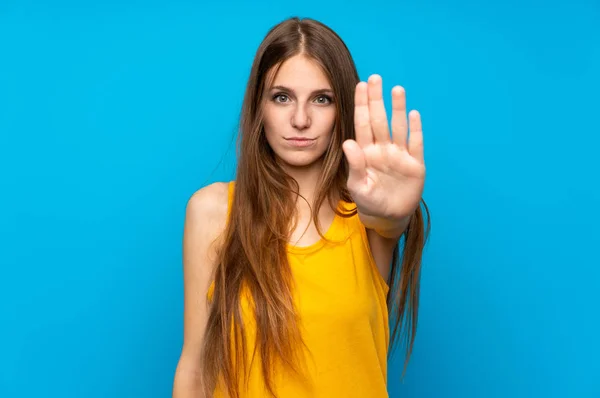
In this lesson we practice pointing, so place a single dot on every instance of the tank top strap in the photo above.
(350, 224)
(355, 227)
(230, 189)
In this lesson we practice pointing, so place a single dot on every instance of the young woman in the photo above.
(292, 270)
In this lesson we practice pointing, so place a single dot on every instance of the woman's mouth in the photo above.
(300, 142)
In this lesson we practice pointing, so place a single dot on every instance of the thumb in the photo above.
(356, 162)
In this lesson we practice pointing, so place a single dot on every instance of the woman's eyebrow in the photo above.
(319, 91)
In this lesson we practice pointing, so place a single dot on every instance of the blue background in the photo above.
(113, 113)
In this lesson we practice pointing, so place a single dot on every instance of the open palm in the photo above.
(387, 173)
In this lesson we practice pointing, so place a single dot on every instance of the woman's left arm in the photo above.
(387, 172)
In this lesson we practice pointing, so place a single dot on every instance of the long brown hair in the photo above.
(253, 256)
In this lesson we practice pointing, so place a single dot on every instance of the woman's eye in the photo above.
(323, 99)
(280, 98)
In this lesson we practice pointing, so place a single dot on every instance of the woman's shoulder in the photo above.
(211, 192)
(209, 205)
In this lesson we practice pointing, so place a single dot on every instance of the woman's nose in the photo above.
(300, 118)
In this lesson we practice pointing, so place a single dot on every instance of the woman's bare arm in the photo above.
(205, 219)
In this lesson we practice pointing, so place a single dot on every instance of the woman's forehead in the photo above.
(299, 73)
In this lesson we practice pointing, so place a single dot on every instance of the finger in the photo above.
(415, 137)
(399, 122)
(356, 162)
(362, 121)
(379, 123)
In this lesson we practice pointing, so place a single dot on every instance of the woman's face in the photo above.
(299, 112)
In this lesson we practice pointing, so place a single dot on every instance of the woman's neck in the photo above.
(307, 178)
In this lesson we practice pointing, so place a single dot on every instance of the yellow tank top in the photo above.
(341, 299)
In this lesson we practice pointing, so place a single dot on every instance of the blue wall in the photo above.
(112, 114)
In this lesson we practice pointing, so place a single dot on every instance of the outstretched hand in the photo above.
(387, 174)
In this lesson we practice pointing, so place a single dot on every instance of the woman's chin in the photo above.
(301, 162)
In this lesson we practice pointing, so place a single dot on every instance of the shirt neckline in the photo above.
(328, 235)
